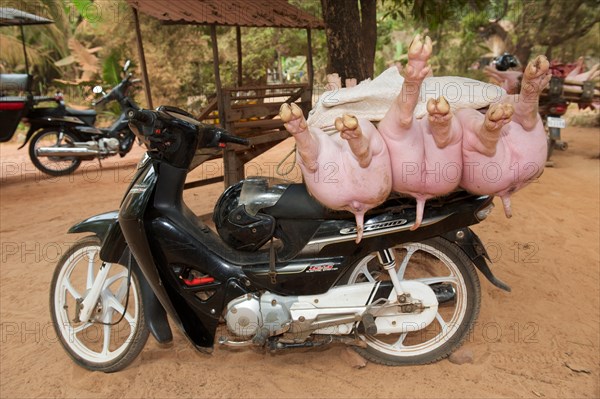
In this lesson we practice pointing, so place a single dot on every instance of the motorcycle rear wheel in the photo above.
(431, 261)
(92, 345)
(54, 166)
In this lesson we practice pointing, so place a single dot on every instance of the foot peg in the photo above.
(367, 325)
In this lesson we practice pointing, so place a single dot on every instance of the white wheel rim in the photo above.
(112, 298)
(448, 326)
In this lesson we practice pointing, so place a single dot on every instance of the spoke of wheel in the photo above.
(82, 327)
(106, 343)
(67, 285)
(90, 274)
(402, 269)
(116, 305)
(399, 343)
(443, 324)
(109, 281)
(435, 280)
(121, 291)
(366, 273)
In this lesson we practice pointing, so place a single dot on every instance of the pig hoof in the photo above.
(418, 54)
(497, 116)
(536, 76)
(348, 127)
(438, 109)
(334, 82)
(293, 117)
(440, 121)
(350, 130)
(351, 82)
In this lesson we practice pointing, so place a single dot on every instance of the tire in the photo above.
(95, 346)
(54, 166)
(426, 259)
(551, 143)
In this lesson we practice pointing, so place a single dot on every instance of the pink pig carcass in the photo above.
(506, 149)
(426, 154)
(346, 171)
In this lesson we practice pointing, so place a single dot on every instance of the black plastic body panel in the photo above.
(472, 246)
(98, 224)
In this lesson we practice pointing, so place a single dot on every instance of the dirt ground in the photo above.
(540, 340)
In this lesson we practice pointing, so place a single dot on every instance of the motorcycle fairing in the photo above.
(101, 225)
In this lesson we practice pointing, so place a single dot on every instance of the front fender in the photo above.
(114, 249)
(472, 246)
(98, 224)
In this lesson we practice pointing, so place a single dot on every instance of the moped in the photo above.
(281, 271)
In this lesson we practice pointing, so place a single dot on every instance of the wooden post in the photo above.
(309, 62)
(140, 46)
(215, 49)
(238, 39)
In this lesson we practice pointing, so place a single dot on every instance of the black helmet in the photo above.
(506, 61)
(236, 226)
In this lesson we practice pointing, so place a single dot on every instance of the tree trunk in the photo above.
(346, 55)
(523, 51)
(368, 13)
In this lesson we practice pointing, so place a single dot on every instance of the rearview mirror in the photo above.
(126, 66)
(97, 89)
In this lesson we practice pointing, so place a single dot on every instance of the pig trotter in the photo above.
(416, 70)
(334, 82)
(296, 124)
(350, 130)
(418, 54)
(535, 78)
(440, 121)
(496, 117)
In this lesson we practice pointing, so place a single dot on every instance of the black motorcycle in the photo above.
(62, 137)
(282, 272)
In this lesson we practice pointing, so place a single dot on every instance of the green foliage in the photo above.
(180, 60)
(111, 68)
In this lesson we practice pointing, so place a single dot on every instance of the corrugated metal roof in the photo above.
(256, 13)
(13, 17)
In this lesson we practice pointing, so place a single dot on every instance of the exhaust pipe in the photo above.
(77, 152)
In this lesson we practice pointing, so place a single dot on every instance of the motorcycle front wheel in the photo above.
(437, 263)
(116, 331)
(54, 166)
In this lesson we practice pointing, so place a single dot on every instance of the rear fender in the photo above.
(32, 130)
(114, 249)
(472, 246)
(36, 127)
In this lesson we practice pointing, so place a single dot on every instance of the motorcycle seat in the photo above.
(297, 203)
(81, 112)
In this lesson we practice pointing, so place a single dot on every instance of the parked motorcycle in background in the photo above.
(552, 107)
(63, 137)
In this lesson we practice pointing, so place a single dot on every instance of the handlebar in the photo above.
(155, 126)
(143, 116)
(228, 138)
